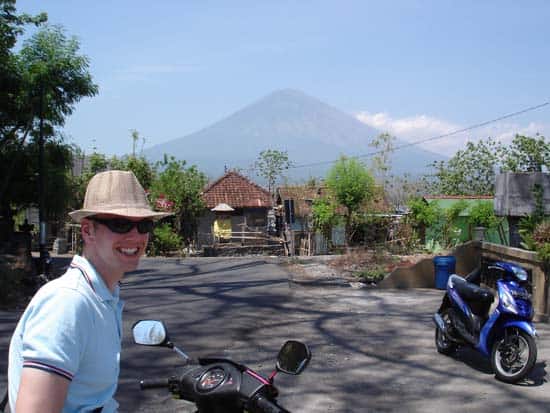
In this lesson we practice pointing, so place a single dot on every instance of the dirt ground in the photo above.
(360, 268)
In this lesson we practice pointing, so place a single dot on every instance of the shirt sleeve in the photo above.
(56, 332)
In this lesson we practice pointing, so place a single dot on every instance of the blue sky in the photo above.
(416, 69)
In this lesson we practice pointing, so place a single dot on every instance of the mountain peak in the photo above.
(309, 130)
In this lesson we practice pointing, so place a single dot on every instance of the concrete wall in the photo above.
(514, 193)
(422, 274)
(528, 260)
(468, 256)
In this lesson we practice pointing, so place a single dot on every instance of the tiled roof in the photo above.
(236, 191)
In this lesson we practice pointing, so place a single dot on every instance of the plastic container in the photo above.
(444, 266)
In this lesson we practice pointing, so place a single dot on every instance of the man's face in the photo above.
(113, 253)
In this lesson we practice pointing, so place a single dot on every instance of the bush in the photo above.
(164, 240)
(423, 213)
(371, 230)
(372, 274)
(541, 239)
(482, 214)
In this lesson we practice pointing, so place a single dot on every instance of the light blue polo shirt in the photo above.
(72, 327)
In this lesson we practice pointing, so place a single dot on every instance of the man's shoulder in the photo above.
(66, 290)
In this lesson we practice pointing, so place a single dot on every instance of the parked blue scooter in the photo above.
(506, 335)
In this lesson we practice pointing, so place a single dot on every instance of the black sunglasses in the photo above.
(123, 226)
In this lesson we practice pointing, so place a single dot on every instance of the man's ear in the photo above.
(87, 229)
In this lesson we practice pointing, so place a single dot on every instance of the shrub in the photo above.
(405, 239)
(372, 274)
(482, 214)
(164, 240)
(541, 240)
(423, 213)
(541, 234)
(370, 230)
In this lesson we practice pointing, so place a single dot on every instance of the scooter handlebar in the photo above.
(260, 404)
(153, 383)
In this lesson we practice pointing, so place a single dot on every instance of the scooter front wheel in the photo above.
(513, 356)
(442, 342)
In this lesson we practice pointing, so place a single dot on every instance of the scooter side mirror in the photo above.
(150, 333)
(293, 357)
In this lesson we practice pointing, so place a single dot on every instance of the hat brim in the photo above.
(142, 213)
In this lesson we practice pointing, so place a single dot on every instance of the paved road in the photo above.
(372, 349)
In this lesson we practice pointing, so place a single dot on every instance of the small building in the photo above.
(235, 206)
(294, 203)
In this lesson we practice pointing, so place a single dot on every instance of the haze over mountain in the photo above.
(309, 130)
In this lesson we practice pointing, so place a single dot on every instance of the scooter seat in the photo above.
(471, 292)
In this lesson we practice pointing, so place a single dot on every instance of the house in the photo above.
(497, 235)
(294, 204)
(235, 205)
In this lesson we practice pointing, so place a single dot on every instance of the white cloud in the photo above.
(423, 127)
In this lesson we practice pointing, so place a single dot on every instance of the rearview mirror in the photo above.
(150, 333)
(293, 357)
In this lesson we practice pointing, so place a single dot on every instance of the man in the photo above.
(65, 351)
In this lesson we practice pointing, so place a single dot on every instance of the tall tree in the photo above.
(470, 171)
(351, 184)
(11, 75)
(51, 78)
(528, 154)
(271, 164)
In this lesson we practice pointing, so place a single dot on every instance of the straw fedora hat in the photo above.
(116, 193)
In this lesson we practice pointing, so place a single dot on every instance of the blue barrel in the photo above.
(444, 266)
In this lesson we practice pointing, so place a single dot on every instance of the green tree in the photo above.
(270, 165)
(142, 169)
(324, 216)
(181, 185)
(96, 162)
(22, 187)
(528, 154)
(351, 184)
(11, 71)
(470, 171)
(51, 78)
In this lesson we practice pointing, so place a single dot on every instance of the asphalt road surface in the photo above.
(373, 350)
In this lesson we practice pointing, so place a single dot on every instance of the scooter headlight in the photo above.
(507, 300)
(520, 273)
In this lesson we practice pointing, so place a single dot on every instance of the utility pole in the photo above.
(44, 256)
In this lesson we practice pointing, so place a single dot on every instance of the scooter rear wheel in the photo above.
(442, 342)
(513, 358)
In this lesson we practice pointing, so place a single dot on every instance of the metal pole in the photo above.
(41, 190)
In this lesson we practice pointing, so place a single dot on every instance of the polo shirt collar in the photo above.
(95, 281)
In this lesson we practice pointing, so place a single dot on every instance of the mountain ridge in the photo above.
(311, 131)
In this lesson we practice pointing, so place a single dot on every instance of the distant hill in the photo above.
(309, 130)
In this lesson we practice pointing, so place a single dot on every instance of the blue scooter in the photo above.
(506, 335)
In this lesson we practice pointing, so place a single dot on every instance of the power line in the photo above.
(406, 145)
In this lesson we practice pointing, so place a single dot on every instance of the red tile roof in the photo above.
(236, 191)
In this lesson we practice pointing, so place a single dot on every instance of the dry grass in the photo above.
(363, 260)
